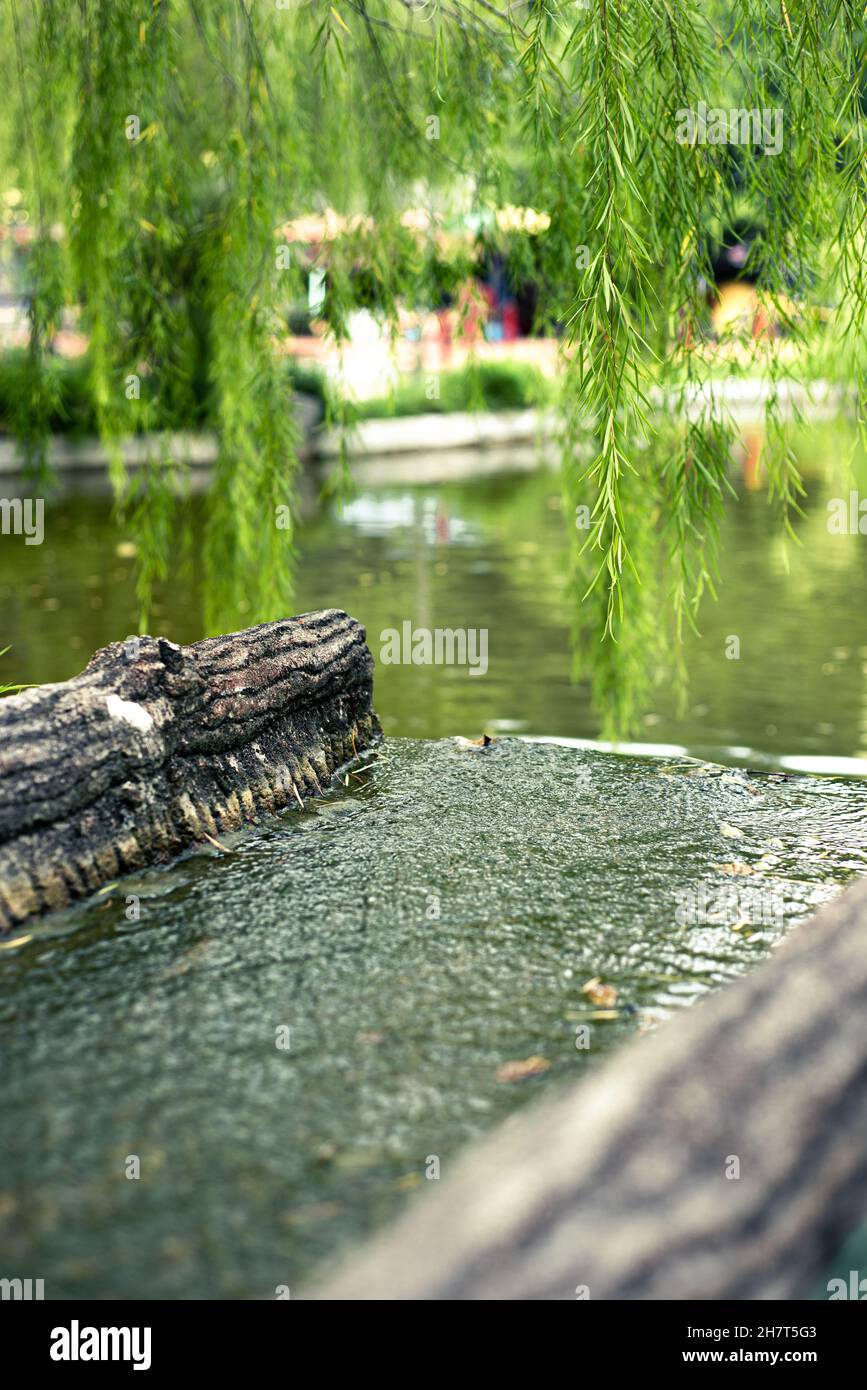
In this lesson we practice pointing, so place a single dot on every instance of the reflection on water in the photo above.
(493, 554)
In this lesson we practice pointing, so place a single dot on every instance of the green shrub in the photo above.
(479, 386)
(73, 412)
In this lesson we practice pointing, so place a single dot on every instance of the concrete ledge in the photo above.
(86, 455)
(461, 430)
(743, 399)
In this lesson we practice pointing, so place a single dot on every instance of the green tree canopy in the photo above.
(159, 146)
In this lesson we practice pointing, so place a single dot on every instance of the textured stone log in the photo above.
(625, 1183)
(155, 746)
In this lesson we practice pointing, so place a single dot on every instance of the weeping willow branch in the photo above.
(160, 144)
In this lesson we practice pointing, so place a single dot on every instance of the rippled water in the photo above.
(431, 921)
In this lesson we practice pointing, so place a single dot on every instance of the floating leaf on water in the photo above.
(605, 996)
(473, 744)
(212, 840)
(519, 1070)
(408, 1182)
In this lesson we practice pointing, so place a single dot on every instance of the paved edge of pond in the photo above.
(442, 434)
(455, 433)
(722, 1157)
(156, 747)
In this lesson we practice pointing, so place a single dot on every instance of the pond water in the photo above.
(492, 554)
(289, 1033)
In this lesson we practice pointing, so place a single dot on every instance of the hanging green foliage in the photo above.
(160, 146)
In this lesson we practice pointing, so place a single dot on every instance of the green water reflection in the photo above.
(493, 554)
(156, 1038)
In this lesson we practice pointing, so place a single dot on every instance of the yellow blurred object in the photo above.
(735, 308)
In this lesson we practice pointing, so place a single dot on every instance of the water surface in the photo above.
(435, 919)
(492, 554)
(440, 915)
